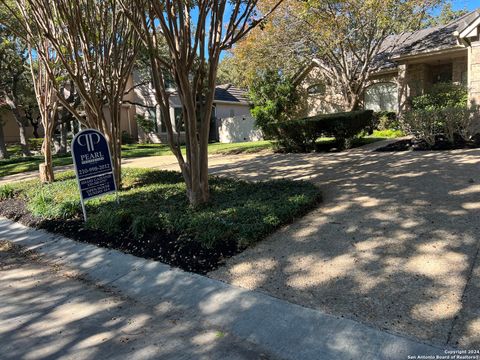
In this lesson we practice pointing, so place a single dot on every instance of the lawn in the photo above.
(154, 219)
(17, 164)
(142, 150)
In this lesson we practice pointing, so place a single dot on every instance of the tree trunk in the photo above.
(35, 129)
(353, 102)
(23, 140)
(60, 141)
(20, 120)
(115, 152)
(63, 138)
(3, 146)
(46, 169)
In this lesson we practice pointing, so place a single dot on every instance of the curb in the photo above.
(286, 330)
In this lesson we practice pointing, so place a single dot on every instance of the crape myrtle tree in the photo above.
(47, 100)
(184, 40)
(96, 45)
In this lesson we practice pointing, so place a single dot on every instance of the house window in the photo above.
(179, 125)
(151, 114)
(381, 97)
(316, 89)
(442, 73)
(163, 127)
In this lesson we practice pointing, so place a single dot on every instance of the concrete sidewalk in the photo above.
(111, 298)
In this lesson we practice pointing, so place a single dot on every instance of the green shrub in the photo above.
(147, 125)
(451, 122)
(6, 192)
(127, 138)
(386, 120)
(274, 98)
(442, 95)
(35, 144)
(301, 134)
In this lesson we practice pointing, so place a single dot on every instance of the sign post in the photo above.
(93, 166)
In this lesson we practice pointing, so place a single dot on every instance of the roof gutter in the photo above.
(453, 50)
(230, 102)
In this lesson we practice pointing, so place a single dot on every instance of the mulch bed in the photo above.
(168, 248)
(440, 144)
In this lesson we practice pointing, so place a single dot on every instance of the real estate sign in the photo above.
(93, 165)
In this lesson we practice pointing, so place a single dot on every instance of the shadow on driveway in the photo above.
(394, 245)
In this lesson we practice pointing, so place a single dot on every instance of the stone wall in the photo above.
(474, 73)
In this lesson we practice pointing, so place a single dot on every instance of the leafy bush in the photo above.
(442, 112)
(35, 144)
(274, 98)
(451, 123)
(386, 120)
(302, 134)
(147, 125)
(442, 95)
(127, 138)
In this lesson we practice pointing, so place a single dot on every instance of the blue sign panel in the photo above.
(93, 164)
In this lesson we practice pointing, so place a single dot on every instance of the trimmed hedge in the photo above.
(301, 135)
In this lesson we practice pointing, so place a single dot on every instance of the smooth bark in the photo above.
(190, 56)
(3, 147)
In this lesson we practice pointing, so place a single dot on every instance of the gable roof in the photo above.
(428, 40)
(423, 41)
(230, 93)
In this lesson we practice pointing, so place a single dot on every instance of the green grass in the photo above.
(142, 150)
(387, 134)
(17, 164)
(239, 211)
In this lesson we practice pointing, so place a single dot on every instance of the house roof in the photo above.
(424, 41)
(428, 40)
(230, 93)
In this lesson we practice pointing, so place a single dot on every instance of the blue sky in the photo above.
(466, 4)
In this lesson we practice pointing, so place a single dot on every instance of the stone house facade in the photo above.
(414, 62)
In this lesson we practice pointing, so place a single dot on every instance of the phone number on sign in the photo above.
(94, 169)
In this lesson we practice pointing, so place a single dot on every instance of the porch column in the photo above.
(474, 73)
(402, 88)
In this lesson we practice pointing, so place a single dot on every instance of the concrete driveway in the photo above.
(394, 245)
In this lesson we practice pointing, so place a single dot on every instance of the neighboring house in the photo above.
(415, 61)
(11, 130)
(231, 122)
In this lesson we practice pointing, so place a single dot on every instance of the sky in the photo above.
(466, 4)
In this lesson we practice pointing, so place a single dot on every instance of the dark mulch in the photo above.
(441, 143)
(168, 248)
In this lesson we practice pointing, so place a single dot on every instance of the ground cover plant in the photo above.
(154, 218)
